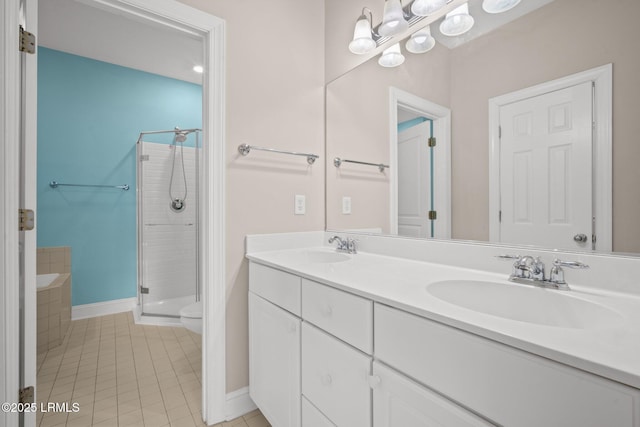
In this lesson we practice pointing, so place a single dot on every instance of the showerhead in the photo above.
(181, 136)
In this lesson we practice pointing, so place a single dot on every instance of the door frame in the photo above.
(175, 15)
(9, 197)
(441, 117)
(602, 148)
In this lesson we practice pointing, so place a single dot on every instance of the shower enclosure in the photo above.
(168, 177)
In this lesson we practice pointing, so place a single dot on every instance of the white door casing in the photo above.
(167, 13)
(602, 144)
(545, 169)
(414, 177)
(441, 117)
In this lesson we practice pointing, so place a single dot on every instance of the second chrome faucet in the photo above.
(528, 270)
(344, 245)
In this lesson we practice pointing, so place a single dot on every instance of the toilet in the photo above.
(191, 317)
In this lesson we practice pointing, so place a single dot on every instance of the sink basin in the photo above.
(526, 304)
(315, 256)
(323, 257)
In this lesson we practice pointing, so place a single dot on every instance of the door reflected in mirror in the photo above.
(555, 41)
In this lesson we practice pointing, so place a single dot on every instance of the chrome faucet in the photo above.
(344, 245)
(528, 270)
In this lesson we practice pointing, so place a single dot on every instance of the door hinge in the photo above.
(593, 239)
(144, 157)
(499, 131)
(499, 216)
(26, 219)
(27, 41)
(144, 290)
(431, 142)
(433, 215)
(25, 395)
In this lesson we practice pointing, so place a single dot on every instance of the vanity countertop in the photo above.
(609, 351)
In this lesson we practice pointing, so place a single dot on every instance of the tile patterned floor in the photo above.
(126, 375)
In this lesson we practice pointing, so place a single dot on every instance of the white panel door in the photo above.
(274, 362)
(414, 181)
(545, 169)
(398, 401)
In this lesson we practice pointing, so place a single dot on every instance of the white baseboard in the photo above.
(86, 311)
(239, 403)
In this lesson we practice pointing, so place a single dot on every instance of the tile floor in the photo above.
(126, 375)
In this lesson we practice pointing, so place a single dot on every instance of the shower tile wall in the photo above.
(168, 237)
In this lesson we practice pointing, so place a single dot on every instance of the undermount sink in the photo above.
(316, 256)
(526, 304)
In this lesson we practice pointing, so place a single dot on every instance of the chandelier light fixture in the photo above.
(457, 22)
(393, 20)
(362, 35)
(391, 57)
(498, 6)
(421, 41)
(397, 19)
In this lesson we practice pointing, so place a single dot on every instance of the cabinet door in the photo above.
(274, 362)
(335, 378)
(398, 401)
(312, 417)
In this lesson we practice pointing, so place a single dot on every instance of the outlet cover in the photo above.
(300, 206)
(346, 205)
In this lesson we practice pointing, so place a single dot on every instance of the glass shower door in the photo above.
(167, 225)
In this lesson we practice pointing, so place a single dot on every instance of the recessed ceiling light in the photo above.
(198, 69)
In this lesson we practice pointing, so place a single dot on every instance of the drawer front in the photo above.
(398, 401)
(509, 386)
(335, 378)
(312, 417)
(344, 315)
(278, 287)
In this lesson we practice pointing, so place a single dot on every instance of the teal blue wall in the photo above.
(89, 116)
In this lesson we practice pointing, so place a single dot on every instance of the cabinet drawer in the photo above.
(344, 315)
(525, 390)
(312, 417)
(278, 287)
(335, 378)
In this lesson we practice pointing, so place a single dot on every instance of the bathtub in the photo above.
(54, 309)
(44, 280)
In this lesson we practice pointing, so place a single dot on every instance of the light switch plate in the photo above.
(346, 205)
(300, 206)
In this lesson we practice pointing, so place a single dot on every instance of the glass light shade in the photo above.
(362, 40)
(421, 41)
(426, 7)
(393, 21)
(391, 57)
(498, 6)
(457, 22)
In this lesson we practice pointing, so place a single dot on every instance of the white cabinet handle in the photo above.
(327, 311)
(374, 381)
(326, 379)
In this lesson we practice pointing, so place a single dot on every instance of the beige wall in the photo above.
(275, 98)
(562, 38)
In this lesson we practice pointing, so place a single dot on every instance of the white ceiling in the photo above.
(74, 27)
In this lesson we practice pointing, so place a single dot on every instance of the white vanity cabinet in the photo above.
(274, 342)
(322, 357)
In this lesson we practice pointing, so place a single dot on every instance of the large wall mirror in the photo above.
(511, 110)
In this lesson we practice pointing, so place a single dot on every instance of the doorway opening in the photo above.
(420, 181)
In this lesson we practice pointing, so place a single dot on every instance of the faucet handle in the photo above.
(508, 256)
(571, 264)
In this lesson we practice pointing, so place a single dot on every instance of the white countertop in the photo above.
(612, 352)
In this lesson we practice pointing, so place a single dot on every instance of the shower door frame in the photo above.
(211, 29)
